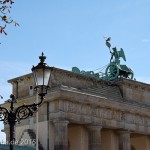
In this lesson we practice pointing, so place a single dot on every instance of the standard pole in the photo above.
(12, 133)
(37, 129)
(12, 122)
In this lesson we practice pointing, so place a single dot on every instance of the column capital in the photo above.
(95, 126)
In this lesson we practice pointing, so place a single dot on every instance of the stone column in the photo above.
(61, 135)
(124, 140)
(94, 137)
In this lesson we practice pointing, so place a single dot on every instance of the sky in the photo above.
(71, 33)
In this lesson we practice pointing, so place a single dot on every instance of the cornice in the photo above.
(21, 78)
(133, 84)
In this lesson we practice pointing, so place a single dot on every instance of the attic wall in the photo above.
(135, 91)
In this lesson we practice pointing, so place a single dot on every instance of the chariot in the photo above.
(114, 69)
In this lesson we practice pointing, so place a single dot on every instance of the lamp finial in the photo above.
(42, 58)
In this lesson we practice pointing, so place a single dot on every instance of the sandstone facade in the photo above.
(84, 113)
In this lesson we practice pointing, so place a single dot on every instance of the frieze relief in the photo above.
(105, 113)
(70, 107)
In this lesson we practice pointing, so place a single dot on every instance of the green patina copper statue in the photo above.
(87, 73)
(114, 69)
(114, 53)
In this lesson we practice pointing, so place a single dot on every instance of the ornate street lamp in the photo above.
(11, 116)
(42, 73)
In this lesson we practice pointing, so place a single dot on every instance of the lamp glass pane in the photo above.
(39, 76)
(47, 73)
(35, 77)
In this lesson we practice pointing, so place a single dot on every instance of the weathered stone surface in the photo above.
(135, 91)
(121, 104)
(124, 140)
(61, 135)
(95, 137)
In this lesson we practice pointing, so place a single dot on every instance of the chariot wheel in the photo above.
(112, 71)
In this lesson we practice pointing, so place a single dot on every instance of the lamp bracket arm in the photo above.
(24, 111)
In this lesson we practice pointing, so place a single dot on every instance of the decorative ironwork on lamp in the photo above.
(11, 116)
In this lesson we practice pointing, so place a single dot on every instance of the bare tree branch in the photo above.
(5, 8)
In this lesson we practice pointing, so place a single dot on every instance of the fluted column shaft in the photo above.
(94, 137)
(61, 135)
(124, 140)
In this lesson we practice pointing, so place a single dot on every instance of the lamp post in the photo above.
(42, 73)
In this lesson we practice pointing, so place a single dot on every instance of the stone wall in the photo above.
(80, 106)
(135, 91)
